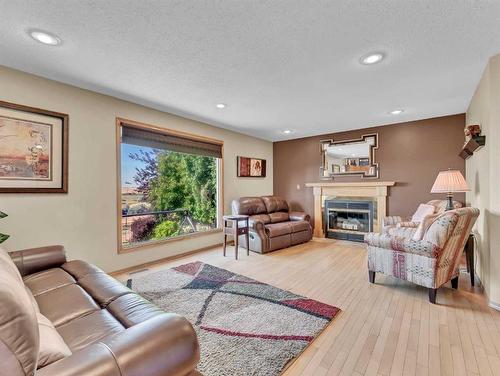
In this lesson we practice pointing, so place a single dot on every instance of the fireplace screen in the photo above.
(348, 219)
(353, 220)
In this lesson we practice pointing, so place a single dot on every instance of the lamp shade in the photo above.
(449, 181)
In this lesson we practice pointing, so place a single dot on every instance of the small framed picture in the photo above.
(33, 150)
(251, 167)
(364, 161)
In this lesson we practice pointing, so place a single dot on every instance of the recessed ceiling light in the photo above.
(221, 105)
(372, 58)
(45, 38)
(396, 112)
(287, 131)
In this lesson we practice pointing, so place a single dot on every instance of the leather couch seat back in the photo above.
(275, 204)
(249, 206)
(279, 217)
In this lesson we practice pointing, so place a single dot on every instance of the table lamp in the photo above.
(449, 182)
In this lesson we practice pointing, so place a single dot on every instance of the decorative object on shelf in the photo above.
(3, 237)
(251, 167)
(472, 131)
(33, 150)
(473, 140)
(449, 182)
(352, 157)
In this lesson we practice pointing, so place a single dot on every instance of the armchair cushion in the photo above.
(423, 226)
(423, 210)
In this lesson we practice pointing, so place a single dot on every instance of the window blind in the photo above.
(157, 139)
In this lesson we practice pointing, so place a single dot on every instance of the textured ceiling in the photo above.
(278, 64)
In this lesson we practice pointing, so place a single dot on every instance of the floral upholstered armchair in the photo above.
(430, 257)
(406, 226)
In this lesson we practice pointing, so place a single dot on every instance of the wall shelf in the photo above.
(471, 146)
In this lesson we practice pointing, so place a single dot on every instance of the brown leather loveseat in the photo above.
(272, 225)
(70, 318)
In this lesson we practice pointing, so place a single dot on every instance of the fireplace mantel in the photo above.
(377, 190)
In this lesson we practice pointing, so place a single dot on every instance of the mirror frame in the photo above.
(330, 142)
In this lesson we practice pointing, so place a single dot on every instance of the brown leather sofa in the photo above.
(60, 318)
(272, 225)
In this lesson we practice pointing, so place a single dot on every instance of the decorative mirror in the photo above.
(353, 157)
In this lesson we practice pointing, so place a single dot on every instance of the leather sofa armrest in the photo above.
(256, 225)
(163, 345)
(33, 260)
(299, 216)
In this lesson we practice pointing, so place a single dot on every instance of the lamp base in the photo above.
(449, 204)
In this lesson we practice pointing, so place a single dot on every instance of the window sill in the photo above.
(154, 243)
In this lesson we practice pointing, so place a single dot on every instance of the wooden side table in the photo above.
(235, 229)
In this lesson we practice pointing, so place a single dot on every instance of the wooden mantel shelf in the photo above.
(355, 184)
(376, 190)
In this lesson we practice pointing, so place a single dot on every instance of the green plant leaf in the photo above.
(3, 237)
(2, 215)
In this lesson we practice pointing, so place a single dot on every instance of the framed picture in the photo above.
(251, 167)
(33, 150)
(364, 161)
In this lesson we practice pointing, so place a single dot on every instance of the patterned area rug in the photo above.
(245, 327)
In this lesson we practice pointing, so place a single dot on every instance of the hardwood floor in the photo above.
(386, 328)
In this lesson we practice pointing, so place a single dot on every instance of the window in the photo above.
(170, 184)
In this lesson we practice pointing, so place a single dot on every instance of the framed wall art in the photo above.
(33, 150)
(251, 167)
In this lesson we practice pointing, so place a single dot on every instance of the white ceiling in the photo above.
(278, 64)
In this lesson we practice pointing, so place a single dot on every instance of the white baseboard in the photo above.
(494, 305)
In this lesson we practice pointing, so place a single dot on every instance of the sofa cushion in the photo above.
(275, 204)
(277, 229)
(18, 325)
(65, 304)
(103, 288)
(47, 280)
(297, 226)
(264, 218)
(52, 346)
(81, 332)
(248, 206)
(279, 217)
(132, 309)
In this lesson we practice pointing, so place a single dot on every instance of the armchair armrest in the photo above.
(393, 220)
(402, 244)
(163, 345)
(299, 216)
(408, 224)
(33, 260)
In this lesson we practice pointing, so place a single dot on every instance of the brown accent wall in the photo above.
(411, 154)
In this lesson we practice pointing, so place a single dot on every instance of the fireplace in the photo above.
(348, 219)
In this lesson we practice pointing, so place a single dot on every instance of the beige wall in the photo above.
(84, 220)
(483, 177)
